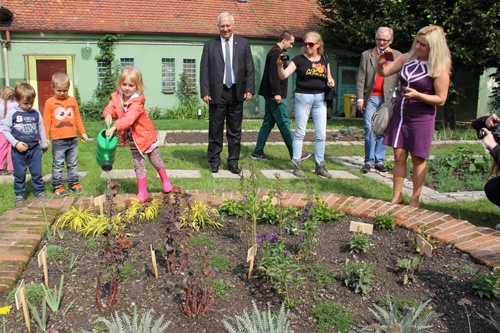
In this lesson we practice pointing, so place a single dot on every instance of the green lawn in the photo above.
(480, 212)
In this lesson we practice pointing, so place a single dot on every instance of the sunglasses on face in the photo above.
(310, 44)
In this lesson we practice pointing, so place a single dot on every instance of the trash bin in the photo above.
(350, 105)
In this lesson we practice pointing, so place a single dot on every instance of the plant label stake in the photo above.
(153, 259)
(42, 261)
(424, 246)
(365, 228)
(99, 201)
(252, 252)
(21, 301)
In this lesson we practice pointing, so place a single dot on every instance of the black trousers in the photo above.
(492, 190)
(231, 111)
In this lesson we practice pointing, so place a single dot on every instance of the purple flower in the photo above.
(287, 254)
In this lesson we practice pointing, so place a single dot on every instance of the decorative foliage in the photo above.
(384, 222)
(53, 299)
(198, 215)
(358, 276)
(125, 324)
(409, 266)
(260, 322)
(200, 289)
(414, 320)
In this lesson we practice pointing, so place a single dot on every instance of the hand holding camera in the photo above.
(389, 56)
(284, 57)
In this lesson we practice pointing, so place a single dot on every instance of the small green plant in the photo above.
(201, 240)
(127, 271)
(359, 243)
(76, 218)
(220, 289)
(260, 322)
(55, 252)
(53, 299)
(222, 263)
(199, 215)
(125, 324)
(487, 284)
(92, 244)
(414, 320)
(325, 214)
(358, 276)
(33, 292)
(232, 207)
(409, 266)
(41, 321)
(384, 222)
(331, 315)
(321, 275)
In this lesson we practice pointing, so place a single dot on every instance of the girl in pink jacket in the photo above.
(135, 128)
(6, 103)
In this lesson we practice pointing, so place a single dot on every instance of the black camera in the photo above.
(285, 57)
(495, 131)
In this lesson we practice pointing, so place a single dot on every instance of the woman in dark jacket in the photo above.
(488, 129)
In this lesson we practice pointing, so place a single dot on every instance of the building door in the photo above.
(44, 70)
(346, 85)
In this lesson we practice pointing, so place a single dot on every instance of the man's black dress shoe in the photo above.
(234, 169)
(214, 168)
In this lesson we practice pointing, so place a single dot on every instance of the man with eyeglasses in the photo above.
(371, 91)
(274, 92)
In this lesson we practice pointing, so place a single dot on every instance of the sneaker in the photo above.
(321, 170)
(41, 195)
(262, 157)
(76, 188)
(60, 191)
(297, 169)
(305, 155)
(380, 168)
(366, 168)
(18, 199)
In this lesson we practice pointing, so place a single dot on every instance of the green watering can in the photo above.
(106, 150)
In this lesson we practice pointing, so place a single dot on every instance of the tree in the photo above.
(471, 27)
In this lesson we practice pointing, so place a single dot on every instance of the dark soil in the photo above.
(188, 137)
(446, 278)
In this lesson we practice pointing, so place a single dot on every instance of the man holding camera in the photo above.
(488, 130)
(372, 90)
(274, 92)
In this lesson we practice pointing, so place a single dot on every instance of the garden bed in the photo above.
(445, 278)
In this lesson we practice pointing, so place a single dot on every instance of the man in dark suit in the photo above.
(227, 79)
(372, 90)
(274, 92)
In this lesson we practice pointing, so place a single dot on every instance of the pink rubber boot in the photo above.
(165, 181)
(142, 188)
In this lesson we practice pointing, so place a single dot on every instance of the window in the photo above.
(126, 62)
(168, 75)
(189, 67)
(101, 71)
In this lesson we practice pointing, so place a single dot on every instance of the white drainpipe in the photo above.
(5, 43)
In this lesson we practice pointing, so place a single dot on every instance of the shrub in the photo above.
(333, 316)
(358, 276)
(199, 215)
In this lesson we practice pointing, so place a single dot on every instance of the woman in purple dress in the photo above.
(425, 79)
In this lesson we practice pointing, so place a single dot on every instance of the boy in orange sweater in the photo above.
(61, 118)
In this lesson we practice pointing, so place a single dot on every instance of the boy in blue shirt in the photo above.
(23, 128)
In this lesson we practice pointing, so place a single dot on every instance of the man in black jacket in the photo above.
(274, 92)
(227, 79)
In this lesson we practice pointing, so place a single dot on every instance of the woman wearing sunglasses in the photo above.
(313, 74)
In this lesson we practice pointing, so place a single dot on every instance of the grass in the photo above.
(481, 212)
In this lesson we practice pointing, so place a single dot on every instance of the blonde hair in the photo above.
(60, 79)
(439, 53)
(316, 37)
(7, 94)
(135, 76)
(24, 91)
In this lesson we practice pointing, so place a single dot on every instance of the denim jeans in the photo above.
(32, 159)
(275, 114)
(314, 105)
(64, 150)
(374, 148)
